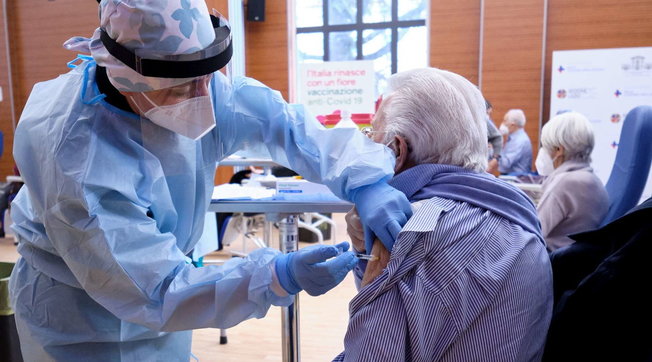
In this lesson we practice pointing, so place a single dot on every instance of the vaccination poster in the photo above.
(332, 86)
(604, 85)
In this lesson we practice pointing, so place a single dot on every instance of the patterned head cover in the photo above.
(151, 27)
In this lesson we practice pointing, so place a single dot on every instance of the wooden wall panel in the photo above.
(591, 24)
(220, 5)
(223, 173)
(37, 30)
(455, 36)
(512, 59)
(267, 47)
(6, 161)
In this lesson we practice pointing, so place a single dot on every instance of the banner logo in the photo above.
(637, 64)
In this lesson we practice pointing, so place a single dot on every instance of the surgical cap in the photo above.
(153, 28)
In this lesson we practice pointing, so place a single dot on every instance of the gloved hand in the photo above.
(383, 210)
(309, 269)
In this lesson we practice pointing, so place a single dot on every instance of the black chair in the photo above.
(602, 310)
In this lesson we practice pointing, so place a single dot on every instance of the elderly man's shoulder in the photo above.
(471, 242)
(456, 221)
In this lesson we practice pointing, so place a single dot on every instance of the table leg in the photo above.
(267, 232)
(288, 232)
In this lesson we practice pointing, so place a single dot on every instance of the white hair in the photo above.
(517, 116)
(440, 114)
(573, 131)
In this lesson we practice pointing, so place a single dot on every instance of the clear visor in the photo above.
(198, 87)
(186, 110)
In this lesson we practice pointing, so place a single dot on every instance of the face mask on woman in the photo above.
(185, 109)
(544, 163)
(192, 118)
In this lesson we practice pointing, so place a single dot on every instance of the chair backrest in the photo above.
(632, 166)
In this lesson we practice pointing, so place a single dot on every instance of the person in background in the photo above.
(468, 278)
(118, 158)
(516, 158)
(573, 198)
(495, 139)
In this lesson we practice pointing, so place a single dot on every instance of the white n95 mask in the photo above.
(504, 130)
(544, 163)
(192, 118)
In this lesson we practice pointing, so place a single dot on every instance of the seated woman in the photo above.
(573, 198)
(468, 278)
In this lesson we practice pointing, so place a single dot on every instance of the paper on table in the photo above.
(238, 192)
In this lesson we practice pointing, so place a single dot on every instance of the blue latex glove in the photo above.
(383, 211)
(309, 269)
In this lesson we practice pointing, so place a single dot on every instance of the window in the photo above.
(392, 33)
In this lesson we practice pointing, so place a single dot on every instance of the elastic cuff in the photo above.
(284, 275)
(353, 194)
(275, 286)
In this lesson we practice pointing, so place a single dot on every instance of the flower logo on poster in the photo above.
(561, 93)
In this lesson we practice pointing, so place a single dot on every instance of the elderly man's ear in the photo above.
(402, 151)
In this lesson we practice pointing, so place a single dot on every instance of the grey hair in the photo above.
(517, 116)
(573, 131)
(440, 114)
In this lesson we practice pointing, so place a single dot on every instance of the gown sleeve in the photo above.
(343, 159)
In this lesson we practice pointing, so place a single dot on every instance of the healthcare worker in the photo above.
(118, 158)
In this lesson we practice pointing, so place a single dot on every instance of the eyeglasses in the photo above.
(369, 131)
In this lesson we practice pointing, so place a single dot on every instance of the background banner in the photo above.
(604, 85)
(330, 86)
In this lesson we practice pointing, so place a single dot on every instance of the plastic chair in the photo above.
(5, 188)
(632, 166)
(312, 222)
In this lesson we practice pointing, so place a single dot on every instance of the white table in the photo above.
(286, 214)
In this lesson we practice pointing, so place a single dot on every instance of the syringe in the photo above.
(367, 257)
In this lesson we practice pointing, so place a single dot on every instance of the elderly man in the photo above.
(468, 277)
(516, 157)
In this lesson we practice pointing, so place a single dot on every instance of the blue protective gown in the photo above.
(112, 203)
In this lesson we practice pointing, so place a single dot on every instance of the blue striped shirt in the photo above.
(462, 284)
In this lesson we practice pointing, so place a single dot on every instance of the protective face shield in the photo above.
(544, 163)
(185, 109)
(503, 129)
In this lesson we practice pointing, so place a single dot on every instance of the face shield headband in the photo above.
(208, 60)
